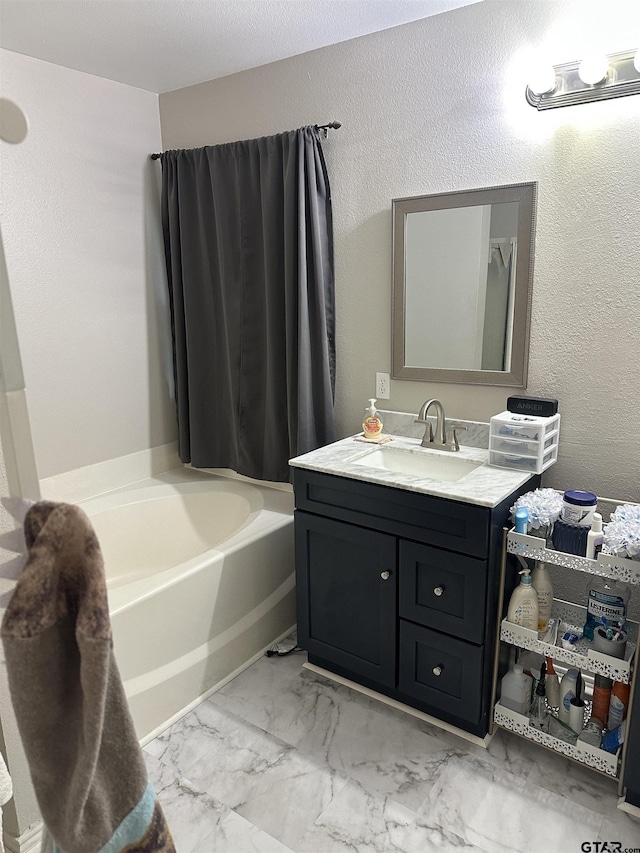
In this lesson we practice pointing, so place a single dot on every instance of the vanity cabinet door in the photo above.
(347, 596)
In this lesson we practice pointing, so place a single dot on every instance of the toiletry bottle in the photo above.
(541, 582)
(592, 732)
(372, 425)
(618, 704)
(552, 686)
(567, 692)
(606, 599)
(539, 715)
(601, 698)
(576, 708)
(595, 537)
(515, 691)
(614, 737)
(523, 604)
(522, 519)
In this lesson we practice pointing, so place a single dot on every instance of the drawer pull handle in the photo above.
(438, 590)
(385, 575)
(437, 670)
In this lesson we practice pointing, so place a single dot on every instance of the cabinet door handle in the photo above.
(385, 575)
(438, 590)
(437, 670)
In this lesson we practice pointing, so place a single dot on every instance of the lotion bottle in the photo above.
(567, 692)
(541, 581)
(372, 425)
(618, 704)
(523, 604)
(595, 538)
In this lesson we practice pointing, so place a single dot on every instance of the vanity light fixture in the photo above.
(595, 78)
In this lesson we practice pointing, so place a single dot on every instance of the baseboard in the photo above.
(630, 809)
(394, 703)
(29, 842)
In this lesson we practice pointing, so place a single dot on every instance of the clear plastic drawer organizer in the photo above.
(522, 442)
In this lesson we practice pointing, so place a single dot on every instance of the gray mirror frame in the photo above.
(526, 196)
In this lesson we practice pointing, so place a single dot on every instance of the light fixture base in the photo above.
(622, 79)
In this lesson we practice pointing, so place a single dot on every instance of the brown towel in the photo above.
(86, 765)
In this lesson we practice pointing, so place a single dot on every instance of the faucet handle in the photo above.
(453, 437)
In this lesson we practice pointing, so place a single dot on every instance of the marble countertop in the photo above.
(484, 486)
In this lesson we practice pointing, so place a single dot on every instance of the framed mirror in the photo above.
(462, 276)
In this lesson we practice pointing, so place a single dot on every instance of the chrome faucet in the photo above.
(439, 440)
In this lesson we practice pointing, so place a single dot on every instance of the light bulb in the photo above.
(593, 69)
(542, 79)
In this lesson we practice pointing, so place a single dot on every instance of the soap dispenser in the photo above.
(372, 425)
(523, 604)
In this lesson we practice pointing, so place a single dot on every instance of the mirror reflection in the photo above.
(462, 278)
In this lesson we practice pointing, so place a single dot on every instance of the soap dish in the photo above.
(381, 439)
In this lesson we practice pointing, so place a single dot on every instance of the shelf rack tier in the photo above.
(582, 656)
(591, 756)
(606, 565)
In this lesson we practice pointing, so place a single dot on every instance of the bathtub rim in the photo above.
(270, 510)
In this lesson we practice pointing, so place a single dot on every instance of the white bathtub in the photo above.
(200, 575)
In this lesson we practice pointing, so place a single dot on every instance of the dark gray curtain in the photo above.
(249, 251)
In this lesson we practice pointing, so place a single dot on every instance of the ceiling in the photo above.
(161, 45)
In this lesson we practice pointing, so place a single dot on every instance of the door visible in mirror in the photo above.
(462, 285)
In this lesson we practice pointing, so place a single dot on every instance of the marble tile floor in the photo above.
(282, 759)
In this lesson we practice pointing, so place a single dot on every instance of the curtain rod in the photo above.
(333, 125)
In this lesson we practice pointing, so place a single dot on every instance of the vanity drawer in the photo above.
(436, 521)
(443, 590)
(441, 671)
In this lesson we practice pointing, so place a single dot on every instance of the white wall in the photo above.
(81, 231)
(438, 105)
(84, 254)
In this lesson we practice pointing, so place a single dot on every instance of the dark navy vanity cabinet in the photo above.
(397, 591)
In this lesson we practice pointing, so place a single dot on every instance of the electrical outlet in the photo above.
(382, 386)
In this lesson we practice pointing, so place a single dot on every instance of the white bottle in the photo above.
(541, 582)
(523, 604)
(515, 692)
(595, 537)
(567, 693)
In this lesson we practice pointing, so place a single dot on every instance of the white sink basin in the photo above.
(419, 463)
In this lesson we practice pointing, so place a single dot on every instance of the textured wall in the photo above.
(438, 105)
(84, 255)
